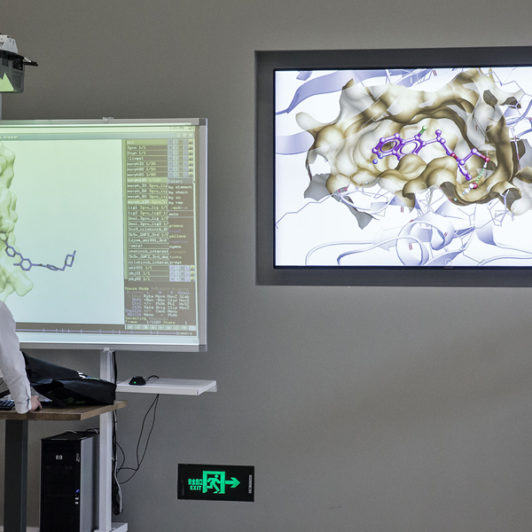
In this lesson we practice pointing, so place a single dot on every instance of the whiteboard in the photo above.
(103, 232)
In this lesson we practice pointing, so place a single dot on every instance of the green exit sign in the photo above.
(216, 482)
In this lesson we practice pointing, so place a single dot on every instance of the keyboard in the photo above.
(7, 404)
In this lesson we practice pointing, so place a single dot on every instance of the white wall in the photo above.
(362, 409)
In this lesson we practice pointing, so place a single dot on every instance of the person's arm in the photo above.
(12, 363)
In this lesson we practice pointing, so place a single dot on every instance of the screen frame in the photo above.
(266, 64)
(201, 231)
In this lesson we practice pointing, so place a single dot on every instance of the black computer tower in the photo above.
(68, 482)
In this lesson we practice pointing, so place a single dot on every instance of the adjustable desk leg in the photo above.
(15, 475)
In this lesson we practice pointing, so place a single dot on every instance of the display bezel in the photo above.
(114, 343)
(266, 64)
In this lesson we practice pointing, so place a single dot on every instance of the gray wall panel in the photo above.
(363, 409)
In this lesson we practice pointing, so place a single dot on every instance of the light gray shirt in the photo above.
(12, 365)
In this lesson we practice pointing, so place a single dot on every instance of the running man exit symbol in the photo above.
(214, 482)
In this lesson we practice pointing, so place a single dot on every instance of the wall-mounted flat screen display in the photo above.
(395, 167)
(103, 232)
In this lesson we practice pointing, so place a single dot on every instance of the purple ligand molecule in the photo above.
(398, 146)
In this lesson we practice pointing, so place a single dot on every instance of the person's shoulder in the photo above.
(5, 313)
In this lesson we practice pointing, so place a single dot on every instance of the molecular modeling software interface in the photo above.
(405, 167)
(98, 231)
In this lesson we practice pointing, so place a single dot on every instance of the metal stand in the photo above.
(105, 456)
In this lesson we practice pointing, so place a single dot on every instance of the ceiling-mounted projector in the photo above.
(12, 65)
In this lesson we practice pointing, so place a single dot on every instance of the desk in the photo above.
(16, 455)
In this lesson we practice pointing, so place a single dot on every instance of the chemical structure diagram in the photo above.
(26, 264)
(395, 145)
